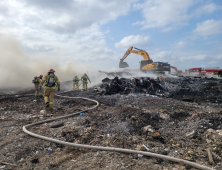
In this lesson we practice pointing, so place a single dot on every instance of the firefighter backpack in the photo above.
(35, 81)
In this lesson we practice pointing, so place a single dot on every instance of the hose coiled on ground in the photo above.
(101, 147)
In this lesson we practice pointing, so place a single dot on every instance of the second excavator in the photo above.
(177, 72)
(146, 65)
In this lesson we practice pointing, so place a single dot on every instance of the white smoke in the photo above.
(17, 69)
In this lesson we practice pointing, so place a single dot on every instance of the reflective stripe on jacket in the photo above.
(46, 79)
(85, 78)
(37, 81)
(75, 80)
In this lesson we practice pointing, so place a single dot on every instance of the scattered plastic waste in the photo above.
(56, 125)
(219, 132)
(190, 134)
(150, 130)
(146, 147)
(217, 157)
(31, 115)
(81, 114)
(155, 134)
(48, 149)
(108, 135)
(43, 112)
(140, 155)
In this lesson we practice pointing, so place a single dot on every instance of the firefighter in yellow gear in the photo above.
(50, 81)
(84, 80)
(36, 82)
(76, 82)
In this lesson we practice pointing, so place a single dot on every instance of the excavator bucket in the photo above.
(123, 64)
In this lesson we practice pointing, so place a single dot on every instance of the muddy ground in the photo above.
(188, 119)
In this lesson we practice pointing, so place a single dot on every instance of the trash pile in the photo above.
(186, 123)
(134, 85)
(188, 89)
(192, 89)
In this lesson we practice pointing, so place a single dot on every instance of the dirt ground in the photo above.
(188, 120)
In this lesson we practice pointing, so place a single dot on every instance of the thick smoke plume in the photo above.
(17, 69)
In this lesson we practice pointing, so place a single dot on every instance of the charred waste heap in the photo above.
(135, 85)
(190, 89)
(185, 123)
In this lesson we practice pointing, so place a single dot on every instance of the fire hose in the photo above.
(181, 161)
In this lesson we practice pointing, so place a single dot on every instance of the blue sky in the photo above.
(97, 32)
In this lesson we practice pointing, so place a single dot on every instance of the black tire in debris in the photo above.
(56, 125)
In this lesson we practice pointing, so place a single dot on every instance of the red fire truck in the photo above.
(205, 72)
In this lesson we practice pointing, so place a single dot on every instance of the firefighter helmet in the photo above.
(41, 76)
(51, 70)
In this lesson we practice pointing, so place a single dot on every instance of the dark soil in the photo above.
(188, 119)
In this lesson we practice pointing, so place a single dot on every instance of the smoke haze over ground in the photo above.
(17, 69)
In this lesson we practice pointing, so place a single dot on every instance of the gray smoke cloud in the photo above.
(17, 69)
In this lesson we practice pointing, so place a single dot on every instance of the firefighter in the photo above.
(50, 81)
(84, 80)
(75, 82)
(36, 82)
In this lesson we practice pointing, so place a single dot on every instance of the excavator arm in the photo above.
(143, 53)
(174, 68)
(178, 72)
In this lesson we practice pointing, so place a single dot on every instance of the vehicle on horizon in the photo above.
(146, 65)
(214, 72)
(176, 72)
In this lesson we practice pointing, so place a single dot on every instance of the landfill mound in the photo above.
(134, 85)
(184, 121)
(190, 89)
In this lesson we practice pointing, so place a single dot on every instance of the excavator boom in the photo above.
(174, 68)
(178, 72)
(143, 53)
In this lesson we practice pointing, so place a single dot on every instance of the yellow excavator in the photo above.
(146, 65)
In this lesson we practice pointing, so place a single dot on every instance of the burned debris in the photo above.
(134, 85)
(184, 123)
(187, 89)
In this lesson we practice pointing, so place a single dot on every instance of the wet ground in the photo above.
(188, 119)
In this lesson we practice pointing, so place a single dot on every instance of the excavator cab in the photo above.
(144, 63)
(123, 64)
